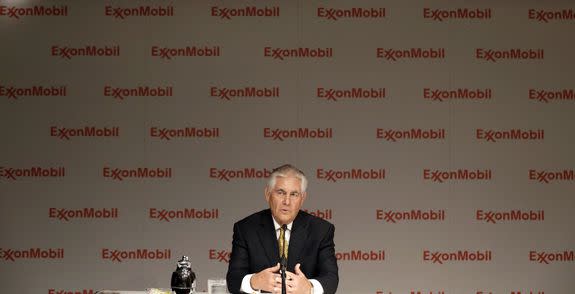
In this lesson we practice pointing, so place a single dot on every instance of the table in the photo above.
(131, 292)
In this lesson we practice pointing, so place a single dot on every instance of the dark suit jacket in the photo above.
(255, 248)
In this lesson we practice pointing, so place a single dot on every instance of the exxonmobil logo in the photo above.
(248, 11)
(546, 96)
(10, 173)
(123, 13)
(546, 257)
(548, 176)
(440, 257)
(116, 255)
(37, 10)
(418, 215)
(219, 255)
(456, 14)
(516, 215)
(32, 253)
(11, 92)
(120, 174)
(299, 133)
(66, 215)
(140, 91)
(300, 52)
(394, 54)
(361, 255)
(188, 51)
(457, 94)
(87, 131)
(187, 132)
(546, 16)
(65, 52)
(392, 135)
(441, 176)
(167, 215)
(513, 134)
(331, 175)
(228, 94)
(350, 94)
(351, 13)
(494, 55)
(83, 291)
(326, 214)
(225, 174)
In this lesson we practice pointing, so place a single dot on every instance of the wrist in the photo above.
(256, 289)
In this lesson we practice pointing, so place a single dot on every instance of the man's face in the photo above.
(285, 199)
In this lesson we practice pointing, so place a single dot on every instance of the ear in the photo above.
(267, 193)
(303, 196)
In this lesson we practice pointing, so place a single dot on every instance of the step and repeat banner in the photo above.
(437, 136)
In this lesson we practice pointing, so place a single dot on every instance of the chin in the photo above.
(284, 220)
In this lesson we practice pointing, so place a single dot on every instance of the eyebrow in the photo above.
(282, 190)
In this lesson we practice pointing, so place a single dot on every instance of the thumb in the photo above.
(275, 268)
(298, 270)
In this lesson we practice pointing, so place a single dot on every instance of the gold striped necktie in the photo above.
(282, 242)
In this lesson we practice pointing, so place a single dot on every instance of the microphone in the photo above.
(283, 261)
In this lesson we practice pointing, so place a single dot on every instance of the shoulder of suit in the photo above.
(255, 217)
(314, 220)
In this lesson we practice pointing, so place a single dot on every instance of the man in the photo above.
(255, 260)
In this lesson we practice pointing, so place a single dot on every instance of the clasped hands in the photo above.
(270, 280)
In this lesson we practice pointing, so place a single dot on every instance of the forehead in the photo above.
(288, 183)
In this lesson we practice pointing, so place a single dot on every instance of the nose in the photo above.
(286, 200)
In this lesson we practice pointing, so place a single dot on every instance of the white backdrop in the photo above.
(437, 136)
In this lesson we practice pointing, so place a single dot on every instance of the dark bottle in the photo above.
(183, 278)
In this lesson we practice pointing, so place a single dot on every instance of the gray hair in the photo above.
(287, 170)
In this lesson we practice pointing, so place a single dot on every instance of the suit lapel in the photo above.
(266, 233)
(298, 238)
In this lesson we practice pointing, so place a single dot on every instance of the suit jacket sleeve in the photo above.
(327, 263)
(239, 262)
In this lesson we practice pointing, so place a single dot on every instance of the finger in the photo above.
(274, 280)
(275, 268)
(298, 270)
(291, 284)
(269, 286)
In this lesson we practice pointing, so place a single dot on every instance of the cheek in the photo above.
(277, 205)
(272, 203)
(297, 203)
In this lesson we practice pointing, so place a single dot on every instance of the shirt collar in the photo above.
(277, 225)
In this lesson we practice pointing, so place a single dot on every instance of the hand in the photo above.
(268, 279)
(297, 283)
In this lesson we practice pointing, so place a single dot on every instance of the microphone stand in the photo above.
(283, 263)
